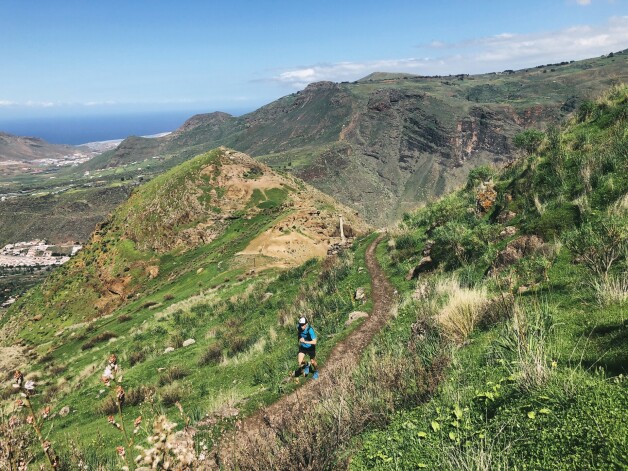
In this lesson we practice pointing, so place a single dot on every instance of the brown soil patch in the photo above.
(289, 249)
(343, 358)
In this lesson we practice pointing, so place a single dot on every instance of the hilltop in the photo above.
(199, 275)
(220, 196)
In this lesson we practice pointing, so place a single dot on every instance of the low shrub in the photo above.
(462, 310)
(239, 343)
(497, 310)
(600, 243)
(137, 356)
(133, 397)
(171, 393)
(172, 374)
(212, 355)
(102, 337)
(176, 340)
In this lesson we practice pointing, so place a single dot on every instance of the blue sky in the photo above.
(89, 57)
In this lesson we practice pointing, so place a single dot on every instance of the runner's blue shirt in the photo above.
(307, 334)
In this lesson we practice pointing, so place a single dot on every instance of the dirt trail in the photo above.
(344, 355)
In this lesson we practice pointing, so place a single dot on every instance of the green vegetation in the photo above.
(537, 375)
(507, 350)
(138, 293)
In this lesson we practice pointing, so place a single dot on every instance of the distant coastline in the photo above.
(77, 130)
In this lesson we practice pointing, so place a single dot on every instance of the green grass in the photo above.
(547, 389)
(205, 292)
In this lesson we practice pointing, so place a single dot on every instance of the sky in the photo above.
(82, 57)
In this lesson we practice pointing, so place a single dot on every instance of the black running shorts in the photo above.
(311, 352)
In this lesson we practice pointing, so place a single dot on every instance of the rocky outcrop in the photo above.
(517, 249)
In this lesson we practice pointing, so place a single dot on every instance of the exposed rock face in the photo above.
(517, 249)
(486, 196)
(386, 143)
(506, 216)
(425, 264)
(508, 231)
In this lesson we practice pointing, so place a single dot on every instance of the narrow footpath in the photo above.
(342, 360)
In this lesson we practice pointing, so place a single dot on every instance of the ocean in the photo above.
(84, 129)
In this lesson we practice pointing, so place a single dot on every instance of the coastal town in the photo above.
(36, 253)
(29, 261)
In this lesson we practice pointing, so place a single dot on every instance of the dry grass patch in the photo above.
(462, 310)
(612, 290)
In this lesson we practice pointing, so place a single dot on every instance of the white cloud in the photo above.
(99, 103)
(478, 55)
(39, 104)
(6, 103)
(583, 2)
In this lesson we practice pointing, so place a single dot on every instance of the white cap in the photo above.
(303, 320)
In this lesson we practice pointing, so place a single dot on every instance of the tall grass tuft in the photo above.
(525, 345)
(611, 290)
(462, 310)
(480, 456)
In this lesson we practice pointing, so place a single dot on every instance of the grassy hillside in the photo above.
(508, 347)
(172, 264)
(532, 319)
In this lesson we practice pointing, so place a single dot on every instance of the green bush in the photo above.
(456, 244)
(529, 140)
(172, 374)
(102, 337)
(555, 221)
(478, 175)
(599, 243)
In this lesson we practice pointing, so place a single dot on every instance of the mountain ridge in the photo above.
(399, 139)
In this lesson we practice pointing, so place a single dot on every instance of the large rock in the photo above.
(506, 216)
(188, 342)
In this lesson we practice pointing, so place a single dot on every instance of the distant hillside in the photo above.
(388, 142)
(25, 149)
